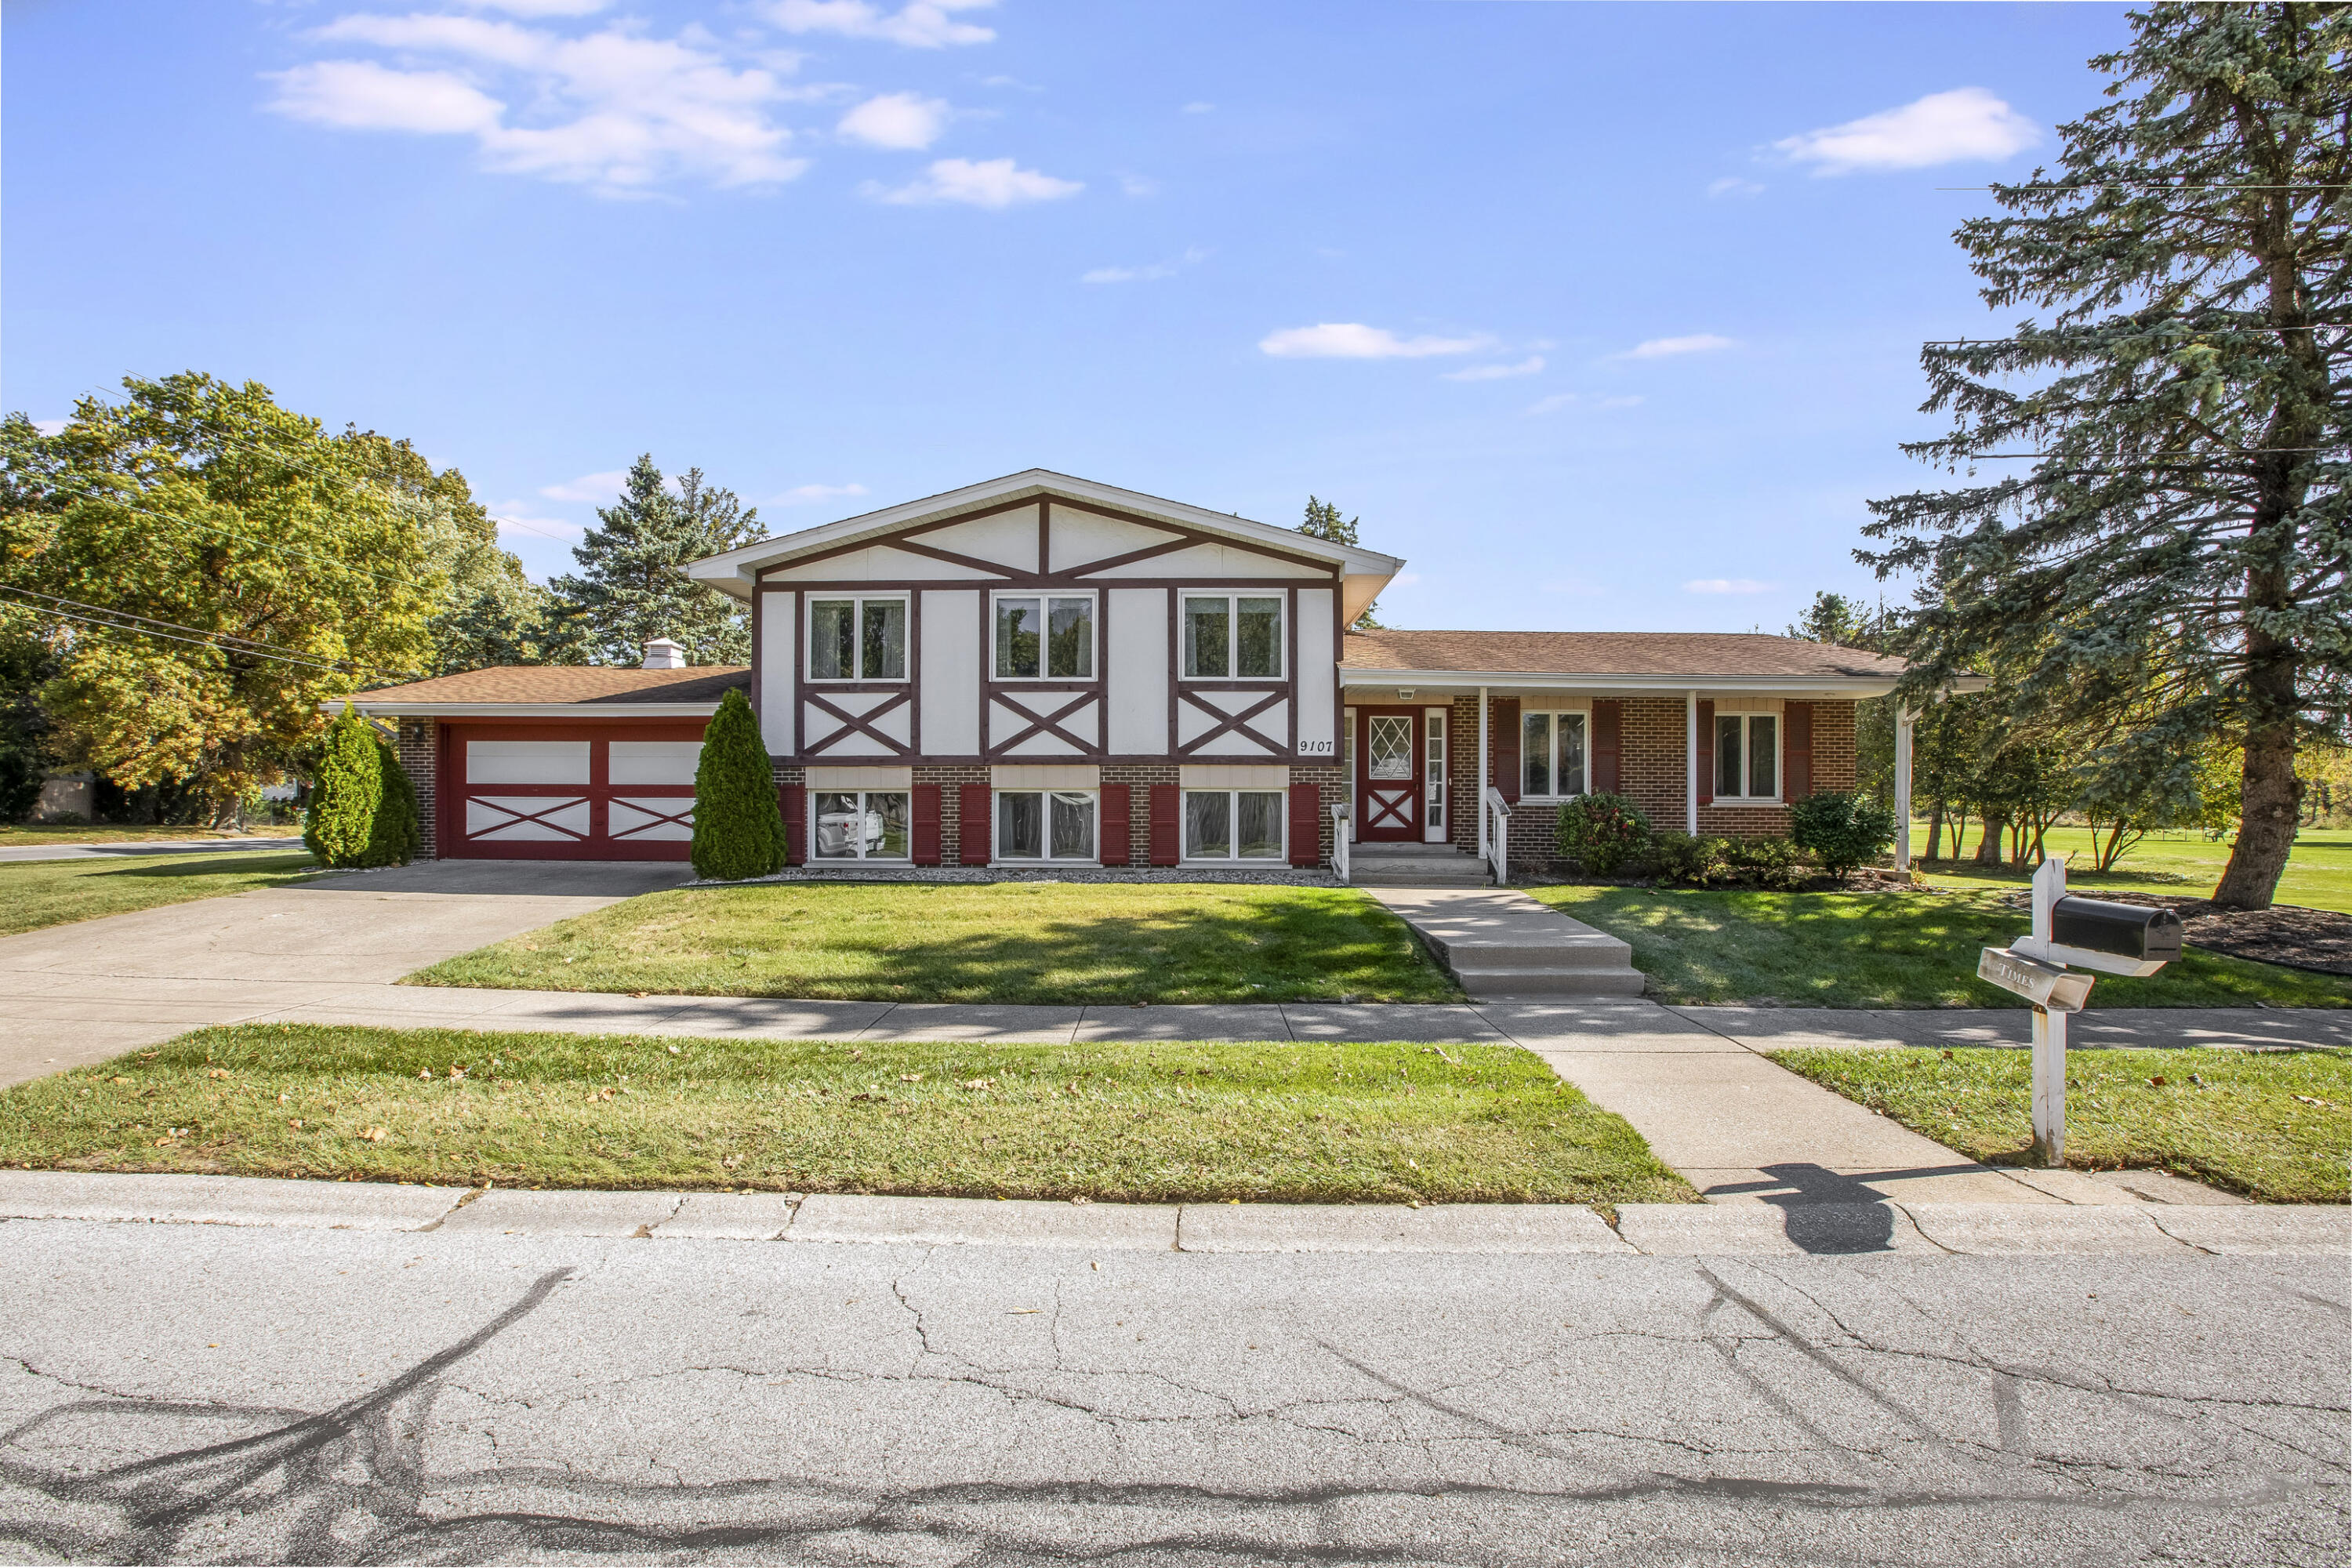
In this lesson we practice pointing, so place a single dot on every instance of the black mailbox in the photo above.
(2127, 930)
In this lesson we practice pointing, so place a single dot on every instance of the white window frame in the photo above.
(1046, 597)
(1552, 763)
(1232, 598)
(861, 856)
(1747, 770)
(1347, 765)
(1234, 857)
(857, 639)
(996, 856)
(1436, 772)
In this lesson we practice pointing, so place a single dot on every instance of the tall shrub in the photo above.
(396, 837)
(1843, 828)
(341, 829)
(1603, 832)
(738, 830)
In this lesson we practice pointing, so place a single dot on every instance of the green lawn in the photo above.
(2318, 874)
(2275, 1125)
(1004, 941)
(1880, 950)
(19, 834)
(1302, 1123)
(39, 893)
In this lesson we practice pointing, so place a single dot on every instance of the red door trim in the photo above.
(1384, 822)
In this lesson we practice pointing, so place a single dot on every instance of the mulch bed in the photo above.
(2285, 934)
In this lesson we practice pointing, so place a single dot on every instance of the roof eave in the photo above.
(589, 709)
(1855, 685)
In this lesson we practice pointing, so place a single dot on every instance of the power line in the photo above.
(2149, 184)
(255, 644)
(198, 641)
(2235, 452)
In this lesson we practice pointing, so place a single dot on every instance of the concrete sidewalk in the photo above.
(1989, 1229)
(16, 853)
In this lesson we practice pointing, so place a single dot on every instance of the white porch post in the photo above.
(1903, 789)
(1482, 772)
(1690, 764)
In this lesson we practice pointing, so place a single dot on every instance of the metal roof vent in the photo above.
(663, 654)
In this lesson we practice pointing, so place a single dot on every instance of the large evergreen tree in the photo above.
(630, 588)
(1323, 521)
(2179, 540)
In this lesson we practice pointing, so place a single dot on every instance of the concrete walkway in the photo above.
(14, 853)
(1503, 946)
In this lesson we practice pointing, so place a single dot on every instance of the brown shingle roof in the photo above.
(1676, 654)
(586, 685)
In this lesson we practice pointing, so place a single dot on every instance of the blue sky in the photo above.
(1604, 317)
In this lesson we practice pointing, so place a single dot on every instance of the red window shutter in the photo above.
(1306, 825)
(1797, 750)
(792, 801)
(926, 825)
(1707, 754)
(1116, 828)
(1166, 803)
(1608, 746)
(973, 811)
(1503, 735)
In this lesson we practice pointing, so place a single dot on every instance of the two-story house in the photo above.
(1043, 671)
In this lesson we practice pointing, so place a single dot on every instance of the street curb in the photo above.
(1911, 1230)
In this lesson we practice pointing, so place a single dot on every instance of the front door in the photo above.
(1388, 774)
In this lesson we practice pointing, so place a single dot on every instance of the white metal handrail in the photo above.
(1340, 841)
(1498, 834)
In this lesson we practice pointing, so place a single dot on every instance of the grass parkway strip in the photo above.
(1055, 943)
(2272, 1124)
(1159, 1122)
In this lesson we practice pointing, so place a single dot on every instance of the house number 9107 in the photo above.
(1315, 748)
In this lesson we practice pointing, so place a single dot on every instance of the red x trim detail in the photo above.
(515, 818)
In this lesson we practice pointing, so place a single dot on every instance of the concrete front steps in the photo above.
(1503, 946)
(1413, 866)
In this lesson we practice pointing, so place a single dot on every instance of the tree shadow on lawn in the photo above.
(242, 863)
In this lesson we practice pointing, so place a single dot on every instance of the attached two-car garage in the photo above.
(568, 791)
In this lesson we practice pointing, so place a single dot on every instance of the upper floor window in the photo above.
(1747, 756)
(857, 639)
(1551, 755)
(1231, 636)
(1042, 638)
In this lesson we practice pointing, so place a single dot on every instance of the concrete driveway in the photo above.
(77, 993)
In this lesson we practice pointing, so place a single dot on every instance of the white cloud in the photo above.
(1727, 586)
(49, 427)
(1199, 106)
(1731, 186)
(1527, 366)
(901, 122)
(808, 495)
(1353, 340)
(359, 95)
(1192, 257)
(1138, 186)
(539, 7)
(601, 487)
(1666, 348)
(1942, 128)
(994, 182)
(612, 108)
(1552, 405)
(921, 24)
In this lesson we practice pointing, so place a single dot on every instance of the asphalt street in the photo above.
(206, 1393)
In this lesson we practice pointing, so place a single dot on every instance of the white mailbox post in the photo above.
(2118, 938)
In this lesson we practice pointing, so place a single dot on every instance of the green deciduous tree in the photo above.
(739, 831)
(630, 590)
(273, 571)
(2178, 539)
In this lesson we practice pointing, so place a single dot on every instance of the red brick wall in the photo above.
(417, 742)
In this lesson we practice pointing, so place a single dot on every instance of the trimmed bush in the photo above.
(341, 828)
(1603, 832)
(396, 836)
(1844, 829)
(739, 831)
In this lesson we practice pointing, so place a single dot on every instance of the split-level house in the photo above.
(1045, 672)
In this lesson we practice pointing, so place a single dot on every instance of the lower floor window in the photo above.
(860, 825)
(1747, 756)
(1045, 825)
(1232, 825)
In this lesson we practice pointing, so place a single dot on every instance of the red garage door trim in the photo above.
(582, 813)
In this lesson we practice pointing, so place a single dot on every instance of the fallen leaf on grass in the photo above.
(216, 1072)
(376, 1134)
(2321, 1103)
(977, 1083)
(910, 1078)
